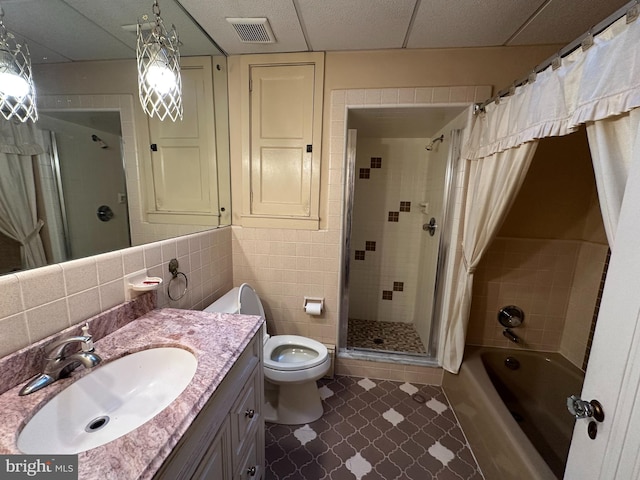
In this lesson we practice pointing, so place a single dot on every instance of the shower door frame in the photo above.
(453, 157)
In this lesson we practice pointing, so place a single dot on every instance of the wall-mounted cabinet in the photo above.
(282, 98)
(182, 183)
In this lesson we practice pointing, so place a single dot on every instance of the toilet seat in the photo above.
(311, 353)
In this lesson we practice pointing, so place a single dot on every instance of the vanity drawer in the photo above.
(246, 414)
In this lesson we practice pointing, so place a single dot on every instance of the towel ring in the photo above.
(173, 269)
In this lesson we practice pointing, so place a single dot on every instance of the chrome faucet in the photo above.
(510, 335)
(60, 365)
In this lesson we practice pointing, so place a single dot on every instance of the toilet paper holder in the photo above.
(308, 301)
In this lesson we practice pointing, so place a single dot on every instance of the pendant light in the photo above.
(17, 92)
(159, 80)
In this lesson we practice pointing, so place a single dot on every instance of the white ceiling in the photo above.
(392, 122)
(76, 30)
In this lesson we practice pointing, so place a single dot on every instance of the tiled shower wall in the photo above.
(390, 178)
(555, 282)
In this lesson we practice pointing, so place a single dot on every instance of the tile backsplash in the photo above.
(37, 303)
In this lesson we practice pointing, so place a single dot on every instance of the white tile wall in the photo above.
(280, 286)
(403, 177)
(141, 232)
(37, 303)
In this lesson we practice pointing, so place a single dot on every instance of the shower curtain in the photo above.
(598, 86)
(18, 215)
(613, 143)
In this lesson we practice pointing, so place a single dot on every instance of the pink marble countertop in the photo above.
(216, 339)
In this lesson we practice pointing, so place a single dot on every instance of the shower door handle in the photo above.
(430, 227)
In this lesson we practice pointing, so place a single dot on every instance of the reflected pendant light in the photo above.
(159, 81)
(17, 92)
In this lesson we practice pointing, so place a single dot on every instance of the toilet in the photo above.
(292, 364)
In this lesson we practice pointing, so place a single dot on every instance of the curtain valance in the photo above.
(590, 85)
(18, 139)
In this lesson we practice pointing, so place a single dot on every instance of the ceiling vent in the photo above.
(253, 30)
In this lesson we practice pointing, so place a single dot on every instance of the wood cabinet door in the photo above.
(183, 155)
(282, 113)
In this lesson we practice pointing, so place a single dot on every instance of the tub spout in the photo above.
(510, 335)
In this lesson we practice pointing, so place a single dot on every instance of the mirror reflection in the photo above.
(89, 179)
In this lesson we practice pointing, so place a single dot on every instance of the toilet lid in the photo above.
(248, 301)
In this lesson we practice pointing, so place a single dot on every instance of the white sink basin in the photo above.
(109, 402)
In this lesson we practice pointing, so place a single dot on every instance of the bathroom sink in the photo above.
(109, 402)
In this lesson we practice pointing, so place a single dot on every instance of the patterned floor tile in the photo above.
(373, 430)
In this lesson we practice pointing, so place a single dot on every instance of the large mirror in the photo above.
(88, 180)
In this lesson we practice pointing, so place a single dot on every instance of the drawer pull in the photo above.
(249, 412)
(251, 471)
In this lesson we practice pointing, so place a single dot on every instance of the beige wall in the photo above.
(548, 257)
(558, 198)
(313, 263)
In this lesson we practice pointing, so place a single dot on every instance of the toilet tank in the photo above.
(228, 303)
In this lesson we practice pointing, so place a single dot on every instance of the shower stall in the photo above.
(400, 170)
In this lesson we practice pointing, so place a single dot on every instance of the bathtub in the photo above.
(516, 421)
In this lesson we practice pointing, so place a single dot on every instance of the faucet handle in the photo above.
(87, 345)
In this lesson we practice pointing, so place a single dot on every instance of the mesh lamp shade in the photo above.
(159, 80)
(17, 92)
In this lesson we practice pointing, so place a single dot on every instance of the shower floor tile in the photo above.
(373, 430)
(388, 336)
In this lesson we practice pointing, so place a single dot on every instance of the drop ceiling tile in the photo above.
(562, 21)
(468, 23)
(114, 14)
(356, 24)
(281, 14)
(63, 30)
(41, 54)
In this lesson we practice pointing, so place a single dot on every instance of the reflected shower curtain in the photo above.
(18, 215)
(49, 202)
(494, 182)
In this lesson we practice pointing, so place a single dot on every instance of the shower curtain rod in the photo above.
(631, 9)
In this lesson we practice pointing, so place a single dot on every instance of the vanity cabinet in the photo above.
(226, 440)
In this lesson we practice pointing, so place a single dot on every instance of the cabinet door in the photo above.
(251, 467)
(216, 462)
(282, 106)
(246, 414)
(183, 155)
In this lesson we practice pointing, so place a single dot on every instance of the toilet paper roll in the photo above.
(313, 308)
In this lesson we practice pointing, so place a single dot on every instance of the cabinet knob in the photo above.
(249, 412)
(251, 471)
